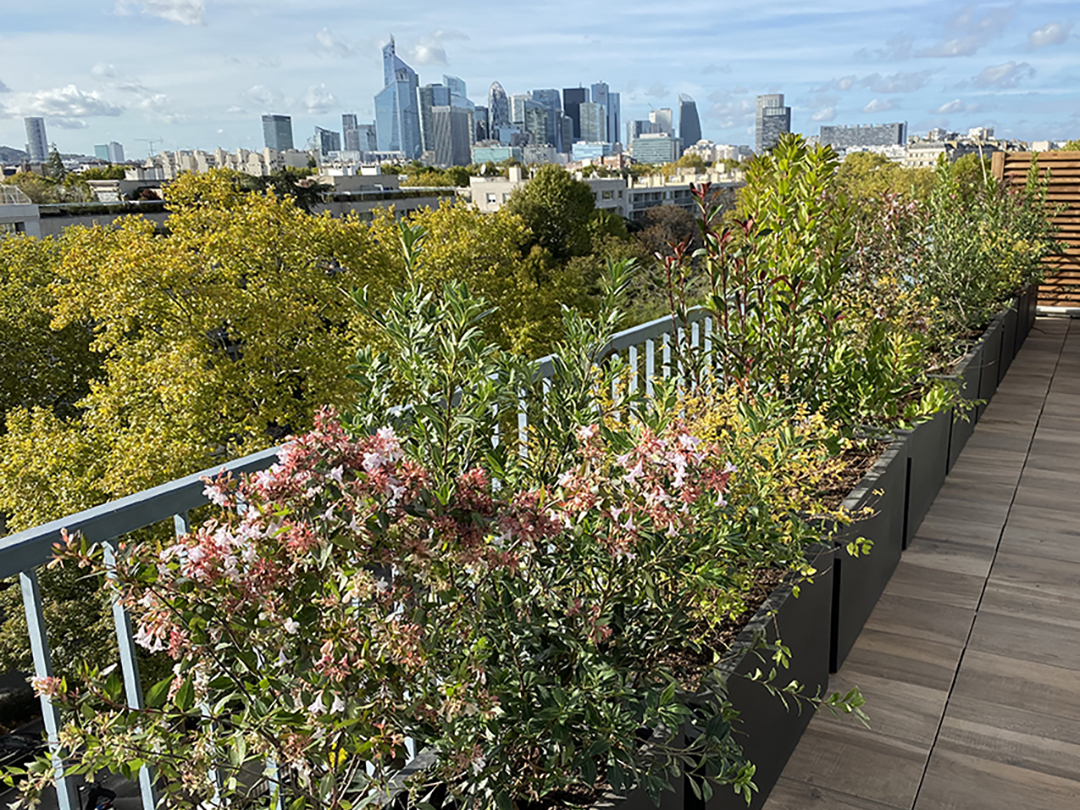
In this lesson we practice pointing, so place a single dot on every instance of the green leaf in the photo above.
(185, 695)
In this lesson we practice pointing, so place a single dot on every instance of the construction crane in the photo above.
(150, 144)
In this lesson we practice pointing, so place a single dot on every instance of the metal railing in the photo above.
(648, 353)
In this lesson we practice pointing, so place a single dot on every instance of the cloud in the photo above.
(825, 114)
(728, 112)
(430, 51)
(319, 100)
(897, 49)
(956, 106)
(844, 83)
(4, 88)
(185, 12)
(1006, 75)
(326, 44)
(64, 103)
(159, 107)
(657, 90)
(877, 105)
(714, 68)
(262, 96)
(69, 123)
(1053, 33)
(965, 33)
(103, 70)
(896, 82)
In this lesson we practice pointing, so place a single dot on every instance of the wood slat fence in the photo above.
(1062, 285)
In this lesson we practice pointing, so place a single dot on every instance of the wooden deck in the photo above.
(971, 661)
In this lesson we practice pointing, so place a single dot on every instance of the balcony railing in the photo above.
(648, 353)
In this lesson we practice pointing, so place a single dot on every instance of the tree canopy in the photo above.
(556, 208)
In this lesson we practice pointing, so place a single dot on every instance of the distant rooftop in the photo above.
(13, 195)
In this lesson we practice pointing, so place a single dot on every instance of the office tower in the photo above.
(600, 94)
(635, 129)
(36, 142)
(689, 124)
(566, 133)
(842, 137)
(427, 98)
(277, 132)
(327, 140)
(552, 102)
(367, 137)
(773, 120)
(498, 107)
(614, 115)
(593, 122)
(458, 93)
(450, 134)
(397, 120)
(101, 151)
(661, 122)
(517, 108)
(655, 148)
(482, 123)
(350, 134)
(538, 124)
(572, 99)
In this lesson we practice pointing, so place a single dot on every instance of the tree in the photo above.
(39, 366)
(1072, 146)
(109, 172)
(866, 176)
(55, 166)
(216, 340)
(297, 184)
(556, 208)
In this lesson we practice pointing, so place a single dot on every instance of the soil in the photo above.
(857, 461)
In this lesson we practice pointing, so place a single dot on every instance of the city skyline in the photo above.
(219, 65)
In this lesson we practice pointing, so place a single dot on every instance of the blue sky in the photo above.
(199, 73)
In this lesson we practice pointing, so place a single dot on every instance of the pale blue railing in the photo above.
(648, 354)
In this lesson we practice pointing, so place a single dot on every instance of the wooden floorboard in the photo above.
(970, 662)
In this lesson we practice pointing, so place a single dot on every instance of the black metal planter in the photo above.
(1009, 330)
(966, 374)
(991, 354)
(928, 458)
(859, 581)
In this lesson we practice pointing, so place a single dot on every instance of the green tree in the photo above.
(867, 176)
(1072, 146)
(39, 366)
(556, 208)
(55, 166)
(109, 172)
(298, 184)
(215, 340)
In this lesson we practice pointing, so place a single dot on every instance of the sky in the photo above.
(198, 74)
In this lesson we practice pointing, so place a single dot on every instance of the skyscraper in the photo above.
(482, 123)
(397, 120)
(517, 108)
(277, 132)
(36, 142)
(458, 93)
(450, 135)
(689, 124)
(498, 107)
(427, 98)
(552, 103)
(115, 152)
(661, 122)
(593, 122)
(773, 120)
(601, 94)
(327, 140)
(350, 132)
(572, 99)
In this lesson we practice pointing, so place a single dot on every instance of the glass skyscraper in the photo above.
(689, 124)
(397, 119)
(277, 132)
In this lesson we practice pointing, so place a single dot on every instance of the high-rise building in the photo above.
(635, 129)
(842, 137)
(367, 137)
(566, 133)
(517, 108)
(614, 115)
(773, 120)
(655, 148)
(101, 151)
(36, 142)
(539, 125)
(498, 108)
(661, 122)
(277, 132)
(428, 98)
(397, 120)
(689, 123)
(327, 140)
(572, 99)
(458, 93)
(350, 134)
(552, 102)
(450, 134)
(482, 123)
(593, 122)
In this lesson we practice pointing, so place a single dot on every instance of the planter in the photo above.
(963, 419)
(991, 352)
(769, 731)
(1009, 330)
(859, 581)
(928, 459)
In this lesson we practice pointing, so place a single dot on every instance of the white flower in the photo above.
(291, 626)
(338, 705)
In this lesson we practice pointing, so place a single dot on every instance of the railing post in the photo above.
(129, 665)
(66, 794)
(650, 366)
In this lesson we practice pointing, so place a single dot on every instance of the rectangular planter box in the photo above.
(1009, 329)
(991, 353)
(967, 375)
(859, 581)
(928, 459)
(769, 731)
